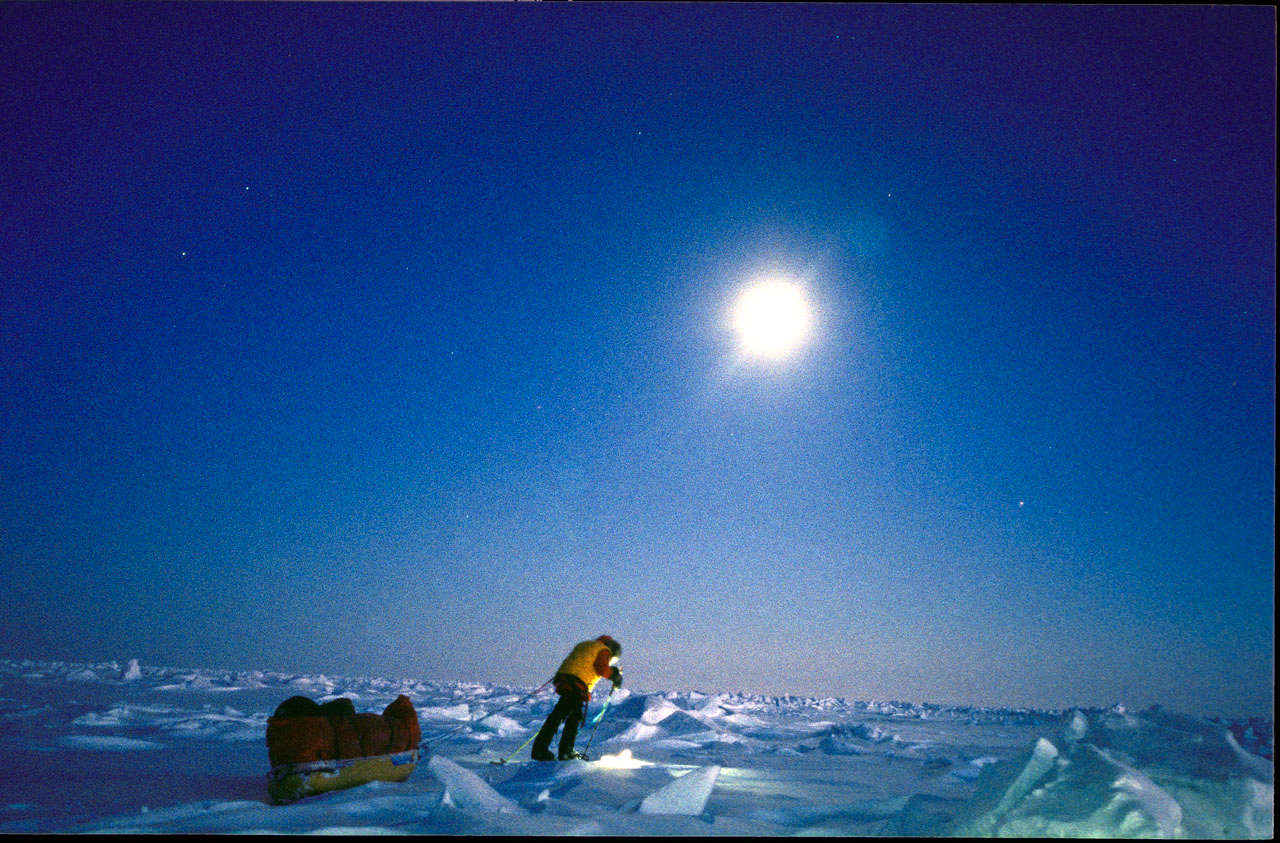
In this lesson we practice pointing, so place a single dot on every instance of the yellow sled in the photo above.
(291, 782)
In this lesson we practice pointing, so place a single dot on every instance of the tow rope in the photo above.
(446, 736)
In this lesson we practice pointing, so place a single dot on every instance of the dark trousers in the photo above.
(570, 709)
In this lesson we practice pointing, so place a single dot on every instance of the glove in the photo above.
(617, 678)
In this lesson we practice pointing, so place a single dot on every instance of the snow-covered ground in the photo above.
(121, 747)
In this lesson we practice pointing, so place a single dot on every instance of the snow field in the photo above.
(128, 747)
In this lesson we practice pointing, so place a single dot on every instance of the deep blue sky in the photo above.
(393, 340)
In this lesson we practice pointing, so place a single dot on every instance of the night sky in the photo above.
(396, 340)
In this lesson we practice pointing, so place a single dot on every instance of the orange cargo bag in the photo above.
(302, 731)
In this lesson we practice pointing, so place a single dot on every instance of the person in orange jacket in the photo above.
(587, 664)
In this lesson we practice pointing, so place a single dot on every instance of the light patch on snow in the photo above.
(622, 761)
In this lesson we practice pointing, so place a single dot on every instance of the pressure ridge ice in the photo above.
(183, 751)
(686, 795)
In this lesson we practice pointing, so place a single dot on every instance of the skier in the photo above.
(587, 664)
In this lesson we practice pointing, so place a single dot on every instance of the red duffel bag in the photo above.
(302, 730)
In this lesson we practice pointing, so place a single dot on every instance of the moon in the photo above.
(772, 319)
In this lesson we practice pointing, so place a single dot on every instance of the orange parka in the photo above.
(588, 663)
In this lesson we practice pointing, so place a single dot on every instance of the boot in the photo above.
(542, 743)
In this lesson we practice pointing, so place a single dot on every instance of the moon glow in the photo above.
(771, 319)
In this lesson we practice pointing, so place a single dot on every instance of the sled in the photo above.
(291, 782)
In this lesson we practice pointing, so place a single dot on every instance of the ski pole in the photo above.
(597, 720)
(513, 755)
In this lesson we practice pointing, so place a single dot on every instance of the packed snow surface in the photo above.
(138, 748)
